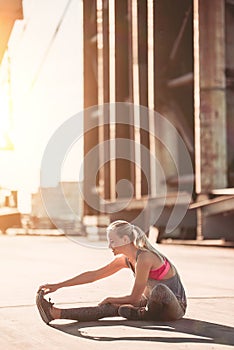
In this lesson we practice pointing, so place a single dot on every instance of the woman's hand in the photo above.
(107, 301)
(49, 288)
(143, 301)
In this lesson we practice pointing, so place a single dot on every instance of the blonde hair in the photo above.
(135, 234)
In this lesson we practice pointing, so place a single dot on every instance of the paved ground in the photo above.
(27, 262)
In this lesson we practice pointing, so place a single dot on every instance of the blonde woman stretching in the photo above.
(157, 293)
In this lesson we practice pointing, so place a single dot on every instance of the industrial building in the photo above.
(175, 58)
(158, 114)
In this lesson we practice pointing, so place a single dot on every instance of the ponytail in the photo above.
(142, 242)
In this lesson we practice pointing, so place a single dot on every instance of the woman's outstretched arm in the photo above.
(87, 277)
(141, 276)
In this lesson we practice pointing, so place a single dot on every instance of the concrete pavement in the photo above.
(27, 262)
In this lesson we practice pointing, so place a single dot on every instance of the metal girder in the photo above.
(215, 206)
(223, 206)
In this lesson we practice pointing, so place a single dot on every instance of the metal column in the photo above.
(212, 131)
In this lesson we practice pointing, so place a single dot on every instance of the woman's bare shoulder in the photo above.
(145, 257)
(148, 257)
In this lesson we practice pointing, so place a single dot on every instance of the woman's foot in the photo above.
(55, 312)
(131, 312)
(46, 309)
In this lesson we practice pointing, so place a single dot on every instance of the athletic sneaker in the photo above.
(131, 312)
(44, 307)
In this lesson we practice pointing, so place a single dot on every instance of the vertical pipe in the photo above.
(151, 97)
(197, 96)
(197, 137)
(106, 96)
(100, 69)
(112, 95)
(131, 98)
(136, 99)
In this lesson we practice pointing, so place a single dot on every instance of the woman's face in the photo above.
(116, 242)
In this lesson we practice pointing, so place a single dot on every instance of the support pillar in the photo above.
(143, 90)
(229, 26)
(123, 166)
(213, 150)
(90, 94)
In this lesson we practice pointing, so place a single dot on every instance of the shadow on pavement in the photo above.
(202, 332)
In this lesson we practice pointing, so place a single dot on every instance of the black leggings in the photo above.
(161, 306)
(90, 313)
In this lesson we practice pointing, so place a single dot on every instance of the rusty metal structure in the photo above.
(10, 11)
(171, 57)
(176, 58)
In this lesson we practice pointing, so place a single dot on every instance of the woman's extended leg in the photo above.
(49, 313)
(90, 313)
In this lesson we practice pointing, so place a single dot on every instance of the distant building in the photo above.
(63, 216)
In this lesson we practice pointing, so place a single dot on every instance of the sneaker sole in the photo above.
(40, 309)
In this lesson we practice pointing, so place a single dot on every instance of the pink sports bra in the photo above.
(156, 274)
(159, 273)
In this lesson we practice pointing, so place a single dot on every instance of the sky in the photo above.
(44, 63)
